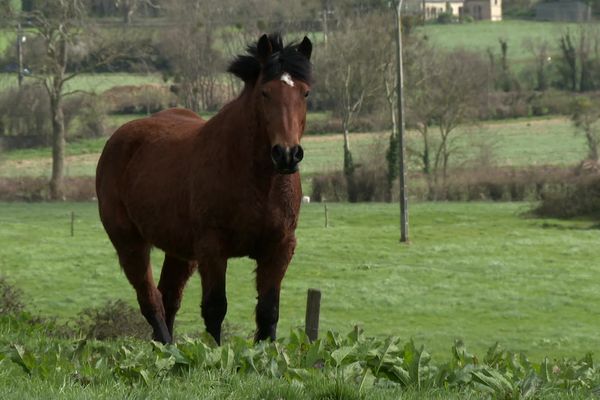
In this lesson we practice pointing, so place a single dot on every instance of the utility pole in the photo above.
(401, 126)
(20, 38)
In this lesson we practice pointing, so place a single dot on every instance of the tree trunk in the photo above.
(392, 154)
(58, 148)
(348, 163)
(592, 143)
(392, 157)
(127, 16)
(128, 10)
(426, 154)
(428, 171)
(349, 167)
(570, 56)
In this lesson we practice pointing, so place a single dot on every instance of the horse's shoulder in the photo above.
(177, 113)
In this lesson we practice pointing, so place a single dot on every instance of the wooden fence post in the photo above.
(72, 223)
(313, 308)
(326, 215)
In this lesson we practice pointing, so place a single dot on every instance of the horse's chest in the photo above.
(246, 225)
(246, 216)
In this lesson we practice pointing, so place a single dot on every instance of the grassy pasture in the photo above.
(512, 143)
(93, 83)
(483, 35)
(474, 271)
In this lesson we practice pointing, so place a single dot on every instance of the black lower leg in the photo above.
(214, 308)
(160, 333)
(171, 308)
(175, 274)
(267, 315)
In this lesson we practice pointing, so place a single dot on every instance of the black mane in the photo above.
(288, 59)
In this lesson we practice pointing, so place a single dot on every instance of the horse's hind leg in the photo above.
(135, 260)
(175, 274)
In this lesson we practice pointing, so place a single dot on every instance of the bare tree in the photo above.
(66, 36)
(128, 8)
(540, 49)
(350, 71)
(585, 116)
(568, 67)
(579, 60)
(58, 24)
(445, 90)
(196, 64)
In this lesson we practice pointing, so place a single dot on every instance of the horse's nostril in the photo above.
(297, 153)
(277, 153)
(286, 159)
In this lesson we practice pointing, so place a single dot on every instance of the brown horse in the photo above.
(204, 192)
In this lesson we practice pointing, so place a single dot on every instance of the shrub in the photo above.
(370, 184)
(113, 319)
(410, 22)
(329, 187)
(501, 184)
(11, 303)
(520, 104)
(25, 119)
(445, 18)
(92, 116)
(579, 197)
(474, 184)
(143, 99)
(36, 189)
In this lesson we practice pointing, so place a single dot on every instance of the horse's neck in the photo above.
(236, 127)
(237, 143)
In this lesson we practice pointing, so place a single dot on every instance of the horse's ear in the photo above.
(305, 47)
(264, 49)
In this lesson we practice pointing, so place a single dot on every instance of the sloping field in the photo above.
(476, 271)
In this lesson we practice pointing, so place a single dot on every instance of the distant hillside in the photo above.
(483, 35)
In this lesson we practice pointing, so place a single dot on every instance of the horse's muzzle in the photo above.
(286, 159)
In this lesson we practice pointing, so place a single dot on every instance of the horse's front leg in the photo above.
(214, 301)
(271, 267)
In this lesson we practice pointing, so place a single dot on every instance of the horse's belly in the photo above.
(241, 245)
(175, 245)
(163, 226)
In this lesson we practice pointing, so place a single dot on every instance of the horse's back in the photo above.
(142, 167)
(166, 128)
(182, 113)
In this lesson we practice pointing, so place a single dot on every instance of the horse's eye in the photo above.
(265, 94)
(307, 93)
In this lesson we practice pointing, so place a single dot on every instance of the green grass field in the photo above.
(93, 83)
(479, 272)
(511, 143)
(483, 35)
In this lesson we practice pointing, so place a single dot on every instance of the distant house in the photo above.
(563, 10)
(433, 8)
(490, 10)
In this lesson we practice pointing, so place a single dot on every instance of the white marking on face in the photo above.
(287, 79)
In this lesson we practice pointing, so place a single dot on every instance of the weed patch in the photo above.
(335, 366)
(113, 319)
(11, 302)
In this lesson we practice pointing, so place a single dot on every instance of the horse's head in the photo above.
(280, 83)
